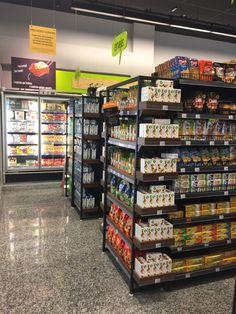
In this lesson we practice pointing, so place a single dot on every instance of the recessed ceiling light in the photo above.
(174, 9)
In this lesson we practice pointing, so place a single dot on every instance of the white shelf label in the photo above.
(188, 143)
(165, 107)
(226, 192)
(206, 244)
(182, 196)
(162, 143)
(217, 269)
(184, 115)
(162, 178)
(197, 116)
(197, 169)
(157, 280)
(182, 170)
(226, 168)
(212, 143)
(221, 217)
(226, 143)
(159, 212)
(231, 117)
(187, 275)
(128, 112)
(229, 241)
(117, 259)
(179, 249)
(158, 245)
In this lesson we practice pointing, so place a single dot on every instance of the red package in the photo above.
(205, 69)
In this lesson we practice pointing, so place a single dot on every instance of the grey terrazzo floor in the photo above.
(51, 262)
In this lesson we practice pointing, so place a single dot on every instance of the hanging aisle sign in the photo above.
(42, 39)
(119, 44)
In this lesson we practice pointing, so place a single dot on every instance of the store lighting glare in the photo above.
(191, 28)
(130, 18)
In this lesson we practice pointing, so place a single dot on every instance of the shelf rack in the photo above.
(139, 147)
(79, 185)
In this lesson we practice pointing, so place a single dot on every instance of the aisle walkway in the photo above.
(50, 262)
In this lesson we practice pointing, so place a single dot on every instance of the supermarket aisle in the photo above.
(50, 262)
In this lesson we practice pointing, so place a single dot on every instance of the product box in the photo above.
(149, 165)
(157, 188)
(174, 130)
(165, 83)
(141, 267)
(147, 130)
(143, 199)
(148, 93)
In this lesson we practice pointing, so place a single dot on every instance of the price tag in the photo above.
(159, 212)
(182, 196)
(179, 249)
(206, 244)
(229, 241)
(184, 115)
(162, 143)
(188, 143)
(226, 143)
(231, 117)
(226, 168)
(226, 192)
(157, 280)
(162, 178)
(197, 116)
(128, 112)
(212, 143)
(117, 259)
(187, 275)
(221, 217)
(217, 269)
(182, 170)
(158, 245)
(197, 169)
(165, 107)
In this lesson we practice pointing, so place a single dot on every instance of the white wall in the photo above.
(85, 42)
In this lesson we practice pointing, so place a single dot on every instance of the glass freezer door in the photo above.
(22, 130)
(53, 132)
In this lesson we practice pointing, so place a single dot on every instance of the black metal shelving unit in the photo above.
(141, 113)
(80, 187)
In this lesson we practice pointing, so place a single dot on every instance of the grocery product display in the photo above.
(172, 145)
(83, 163)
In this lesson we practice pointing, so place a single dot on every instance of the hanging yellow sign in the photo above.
(42, 39)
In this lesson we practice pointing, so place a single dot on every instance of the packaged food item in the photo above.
(218, 71)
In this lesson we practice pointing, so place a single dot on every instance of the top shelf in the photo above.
(206, 116)
(152, 108)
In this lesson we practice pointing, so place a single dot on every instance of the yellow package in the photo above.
(208, 212)
(195, 267)
(233, 235)
(194, 260)
(195, 229)
(178, 263)
(177, 215)
(233, 199)
(228, 260)
(193, 214)
(179, 231)
(179, 269)
(212, 264)
(208, 227)
(223, 205)
(212, 258)
(221, 237)
(206, 206)
(221, 225)
(233, 209)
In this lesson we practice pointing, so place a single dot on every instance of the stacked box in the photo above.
(155, 229)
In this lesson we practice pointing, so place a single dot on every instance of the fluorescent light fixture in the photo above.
(224, 34)
(144, 21)
(191, 28)
(174, 9)
(96, 12)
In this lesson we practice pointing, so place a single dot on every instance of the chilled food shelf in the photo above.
(53, 122)
(22, 155)
(88, 115)
(53, 112)
(88, 137)
(17, 132)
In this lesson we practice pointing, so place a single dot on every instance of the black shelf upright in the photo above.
(141, 112)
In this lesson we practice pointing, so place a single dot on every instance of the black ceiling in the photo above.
(214, 11)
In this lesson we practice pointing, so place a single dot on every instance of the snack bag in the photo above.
(230, 70)
(205, 69)
(206, 158)
(189, 129)
(193, 69)
(211, 129)
(218, 71)
(200, 129)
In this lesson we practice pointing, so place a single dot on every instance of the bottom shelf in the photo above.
(86, 210)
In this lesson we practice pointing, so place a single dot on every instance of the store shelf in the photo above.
(152, 107)
(207, 169)
(53, 122)
(120, 143)
(128, 210)
(53, 111)
(20, 109)
(16, 132)
(155, 177)
(88, 137)
(94, 185)
(151, 142)
(212, 84)
(20, 120)
(86, 210)
(119, 231)
(53, 155)
(22, 155)
(200, 219)
(22, 144)
(155, 211)
(121, 174)
(53, 143)
(88, 115)
(190, 195)
(87, 161)
(151, 245)
(206, 116)
(118, 259)
(213, 244)
(53, 133)
(147, 281)
(207, 143)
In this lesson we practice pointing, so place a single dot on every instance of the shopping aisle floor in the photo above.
(51, 262)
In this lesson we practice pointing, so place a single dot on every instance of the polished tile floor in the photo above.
(51, 262)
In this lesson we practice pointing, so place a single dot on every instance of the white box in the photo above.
(174, 131)
(148, 93)
(161, 121)
(141, 233)
(165, 83)
(141, 267)
(143, 199)
(157, 188)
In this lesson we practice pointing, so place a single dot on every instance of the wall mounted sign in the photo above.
(33, 74)
(119, 44)
(42, 39)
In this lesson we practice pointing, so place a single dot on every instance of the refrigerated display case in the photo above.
(53, 132)
(34, 129)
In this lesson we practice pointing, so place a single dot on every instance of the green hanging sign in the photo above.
(119, 44)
